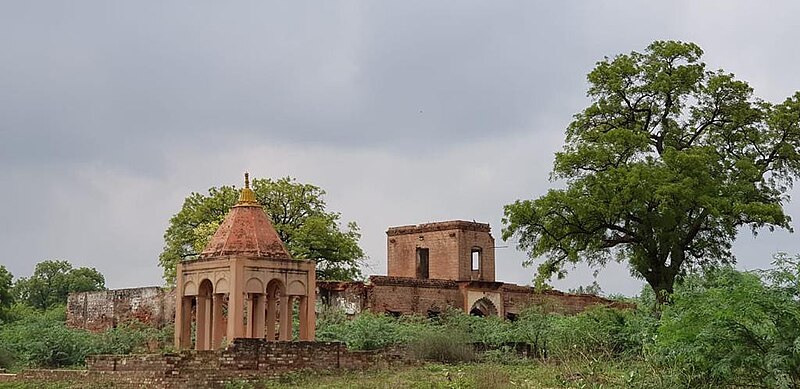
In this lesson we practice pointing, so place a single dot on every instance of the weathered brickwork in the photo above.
(97, 311)
(243, 360)
(349, 297)
(449, 246)
(451, 283)
(401, 295)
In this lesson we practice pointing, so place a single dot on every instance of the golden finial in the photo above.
(247, 196)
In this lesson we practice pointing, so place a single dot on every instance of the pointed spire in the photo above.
(247, 196)
(246, 231)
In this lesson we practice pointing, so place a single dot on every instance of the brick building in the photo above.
(434, 266)
(431, 267)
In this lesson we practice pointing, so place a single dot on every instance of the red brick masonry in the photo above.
(244, 360)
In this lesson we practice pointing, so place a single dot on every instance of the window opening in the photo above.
(476, 259)
(422, 263)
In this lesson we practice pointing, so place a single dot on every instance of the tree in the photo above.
(298, 213)
(6, 296)
(52, 281)
(661, 170)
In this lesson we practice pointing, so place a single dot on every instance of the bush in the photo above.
(730, 329)
(445, 347)
(371, 331)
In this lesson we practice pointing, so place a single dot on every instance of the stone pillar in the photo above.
(217, 328)
(250, 304)
(258, 315)
(310, 311)
(304, 318)
(236, 301)
(272, 314)
(201, 329)
(183, 323)
(285, 332)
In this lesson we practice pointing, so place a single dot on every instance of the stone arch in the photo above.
(297, 288)
(206, 287)
(483, 307)
(254, 285)
(221, 286)
(189, 289)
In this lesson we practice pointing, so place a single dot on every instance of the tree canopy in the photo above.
(52, 281)
(6, 295)
(298, 213)
(662, 169)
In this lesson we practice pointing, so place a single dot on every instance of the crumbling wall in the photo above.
(98, 311)
(244, 360)
(516, 298)
(349, 297)
(400, 295)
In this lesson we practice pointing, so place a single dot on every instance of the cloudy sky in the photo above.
(111, 113)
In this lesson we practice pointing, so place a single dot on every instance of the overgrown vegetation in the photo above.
(34, 338)
(724, 328)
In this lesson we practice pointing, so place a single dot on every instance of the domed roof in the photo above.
(246, 231)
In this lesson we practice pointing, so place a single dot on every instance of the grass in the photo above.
(494, 375)
(527, 374)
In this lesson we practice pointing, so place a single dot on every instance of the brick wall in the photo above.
(412, 296)
(449, 247)
(516, 298)
(97, 311)
(349, 297)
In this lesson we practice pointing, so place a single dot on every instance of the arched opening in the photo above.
(203, 315)
(279, 312)
(483, 307)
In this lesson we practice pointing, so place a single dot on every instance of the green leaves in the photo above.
(662, 169)
(732, 329)
(52, 281)
(297, 212)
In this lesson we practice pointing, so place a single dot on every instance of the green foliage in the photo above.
(34, 338)
(593, 289)
(368, 331)
(441, 346)
(732, 329)
(42, 340)
(6, 294)
(297, 212)
(661, 170)
(53, 281)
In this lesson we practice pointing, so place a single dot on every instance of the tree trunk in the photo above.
(662, 281)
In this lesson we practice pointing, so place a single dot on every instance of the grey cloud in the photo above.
(160, 99)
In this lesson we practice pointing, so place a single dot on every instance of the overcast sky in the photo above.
(405, 112)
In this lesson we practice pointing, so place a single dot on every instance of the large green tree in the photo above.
(661, 170)
(53, 281)
(298, 213)
(6, 294)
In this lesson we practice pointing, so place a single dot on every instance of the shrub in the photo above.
(445, 347)
(730, 329)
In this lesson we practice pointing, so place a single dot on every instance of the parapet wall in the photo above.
(244, 360)
(97, 311)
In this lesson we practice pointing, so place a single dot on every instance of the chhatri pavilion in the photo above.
(244, 284)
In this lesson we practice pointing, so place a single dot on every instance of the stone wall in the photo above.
(97, 311)
(243, 360)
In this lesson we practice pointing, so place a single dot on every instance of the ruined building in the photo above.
(441, 265)
(246, 271)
